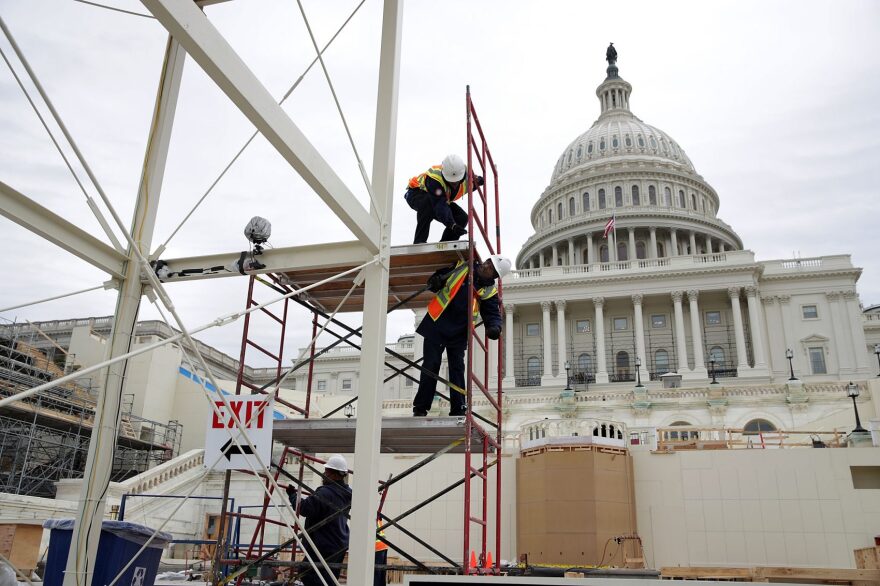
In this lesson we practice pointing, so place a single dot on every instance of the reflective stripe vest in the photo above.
(435, 173)
(453, 283)
(380, 545)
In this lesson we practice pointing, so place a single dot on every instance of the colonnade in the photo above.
(690, 358)
(626, 243)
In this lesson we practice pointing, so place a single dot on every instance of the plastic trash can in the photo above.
(119, 543)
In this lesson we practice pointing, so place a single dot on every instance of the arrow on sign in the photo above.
(229, 450)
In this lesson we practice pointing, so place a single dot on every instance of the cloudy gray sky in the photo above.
(774, 102)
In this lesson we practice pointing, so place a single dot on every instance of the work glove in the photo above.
(493, 332)
(478, 181)
(457, 231)
(291, 493)
(435, 283)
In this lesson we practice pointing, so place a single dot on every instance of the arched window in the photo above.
(569, 157)
(571, 206)
(641, 141)
(681, 202)
(534, 367)
(601, 199)
(559, 211)
(667, 196)
(590, 148)
(674, 435)
(661, 362)
(652, 195)
(640, 249)
(635, 195)
(621, 362)
(580, 150)
(694, 201)
(756, 426)
(653, 143)
(717, 352)
(550, 216)
(586, 201)
(603, 253)
(602, 144)
(661, 250)
(618, 197)
(585, 363)
(614, 142)
(622, 252)
(628, 141)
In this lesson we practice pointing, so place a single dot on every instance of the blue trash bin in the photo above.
(119, 543)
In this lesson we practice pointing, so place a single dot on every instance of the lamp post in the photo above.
(712, 364)
(789, 354)
(348, 411)
(638, 371)
(877, 352)
(567, 377)
(852, 391)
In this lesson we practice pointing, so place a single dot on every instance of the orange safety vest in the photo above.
(453, 284)
(380, 545)
(436, 173)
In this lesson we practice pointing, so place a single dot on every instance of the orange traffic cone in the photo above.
(488, 559)
(473, 563)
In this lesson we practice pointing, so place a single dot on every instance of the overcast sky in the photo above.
(774, 102)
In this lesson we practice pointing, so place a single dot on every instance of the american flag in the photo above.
(609, 226)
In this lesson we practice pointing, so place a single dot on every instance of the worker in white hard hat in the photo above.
(331, 500)
(433, 195)
(445, 326)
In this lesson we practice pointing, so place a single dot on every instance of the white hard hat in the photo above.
(453, 168)
(338, 463)
(502, 264)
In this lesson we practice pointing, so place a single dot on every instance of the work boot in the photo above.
(461, 412)
(419, 413)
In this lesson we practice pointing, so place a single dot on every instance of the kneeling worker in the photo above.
(333, 497)
(433, 194)
(445, 327)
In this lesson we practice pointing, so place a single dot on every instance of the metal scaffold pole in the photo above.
(365, 498)
(96, 479)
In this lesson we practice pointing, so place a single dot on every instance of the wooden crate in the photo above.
(868, 558)
(20, 544)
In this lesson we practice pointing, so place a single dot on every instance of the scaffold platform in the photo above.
(400, 435)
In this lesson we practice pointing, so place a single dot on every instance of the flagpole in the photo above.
(614, 234)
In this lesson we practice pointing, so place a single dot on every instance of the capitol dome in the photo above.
(625, 169)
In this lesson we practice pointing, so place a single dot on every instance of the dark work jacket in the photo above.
(440, 202)
(328, 499)
(452, 325)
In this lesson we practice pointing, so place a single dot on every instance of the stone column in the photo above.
(639, 324)
(509, 381)
(680, 346)
(561, 345)
(693, 243)
(742, 358)
(697, 336)
(722, 247)
(601, 369)
(555, 260)
(531, 262)
(653, 251)
(863, 362)
(571, 259)
(757, 330)
(547, 375)
(839, 349)
(673, 234)
(632, 243)
(708, 244)
(591, 252)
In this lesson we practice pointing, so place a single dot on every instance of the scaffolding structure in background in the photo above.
(44, 438)
(477, 436)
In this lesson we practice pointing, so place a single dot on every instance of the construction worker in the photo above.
(445, 327)
(379, 576)
(433, 194)
(333, 497)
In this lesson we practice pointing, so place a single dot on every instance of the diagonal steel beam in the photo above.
(29, 214)
(204, 43)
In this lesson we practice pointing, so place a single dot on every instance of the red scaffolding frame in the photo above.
(482, 434)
